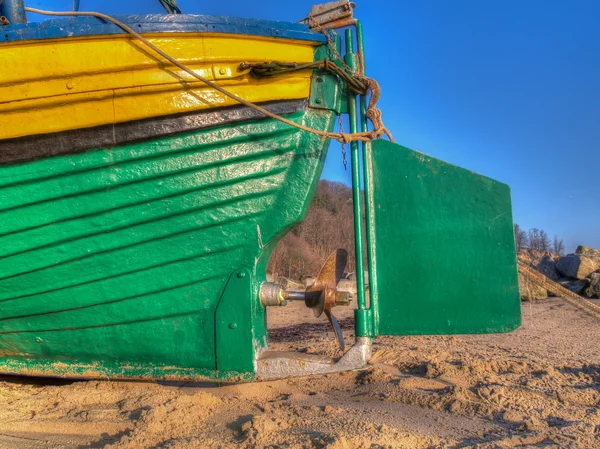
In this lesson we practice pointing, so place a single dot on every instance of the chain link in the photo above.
(344, 159)
(315, 25)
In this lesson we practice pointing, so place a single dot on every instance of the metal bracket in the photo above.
(235, 350)
(325, 93)
(277, 365)
(331, 15)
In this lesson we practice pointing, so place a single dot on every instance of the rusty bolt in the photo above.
(342, 298)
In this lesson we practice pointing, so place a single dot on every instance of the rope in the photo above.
(170, 6)
(264, 69)
(341, 137)
(572, 298)
(373, 114)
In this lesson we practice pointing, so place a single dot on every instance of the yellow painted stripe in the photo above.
(56, 85)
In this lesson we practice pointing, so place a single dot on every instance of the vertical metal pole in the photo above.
(362, 324)
(75, 5)
(366, 154)
(14, 10)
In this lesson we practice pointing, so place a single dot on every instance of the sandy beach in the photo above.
(537, 387)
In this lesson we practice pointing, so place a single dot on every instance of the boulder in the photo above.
(547, 267)
(530, 256)
(575, 285)
(589, 252)
(530, 291)
(576, 266)
(593, 290)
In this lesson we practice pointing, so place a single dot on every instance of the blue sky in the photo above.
(507, 88)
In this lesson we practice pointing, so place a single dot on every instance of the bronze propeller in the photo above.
(322, 295)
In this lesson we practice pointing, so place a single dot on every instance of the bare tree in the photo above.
(534, 238)
(329, 225)
(521, 240)
(544, 241)
(558, 246)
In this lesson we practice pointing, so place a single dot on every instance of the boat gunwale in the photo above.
(159, 23)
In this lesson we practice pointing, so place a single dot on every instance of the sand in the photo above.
(538, 387)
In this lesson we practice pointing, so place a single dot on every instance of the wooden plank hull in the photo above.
(131, 196)
(113, 261)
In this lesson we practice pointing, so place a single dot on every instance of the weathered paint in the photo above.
(64, 84)
(14, 10)
(160, 23)
(444, 249)
(40, 146)
(113, 262)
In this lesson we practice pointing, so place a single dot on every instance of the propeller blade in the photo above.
(320, 296)
(337, 329)
(340, 264)
(332, 270)
(327, 279)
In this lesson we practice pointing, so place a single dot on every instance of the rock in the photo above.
(547, 267)
(587, 251)
(575, 285)
(593, 290)
(530, 291)
(576, 266)
(528, 256)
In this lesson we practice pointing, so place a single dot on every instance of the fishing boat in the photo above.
(149, 164)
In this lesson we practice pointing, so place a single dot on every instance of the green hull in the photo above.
(120, 262)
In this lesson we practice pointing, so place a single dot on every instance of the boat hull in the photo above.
(114, 261)
(139, 206)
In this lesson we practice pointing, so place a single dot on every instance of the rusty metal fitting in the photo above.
(271, 294)
(342, 298)
(336, 14)
(4, 21)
